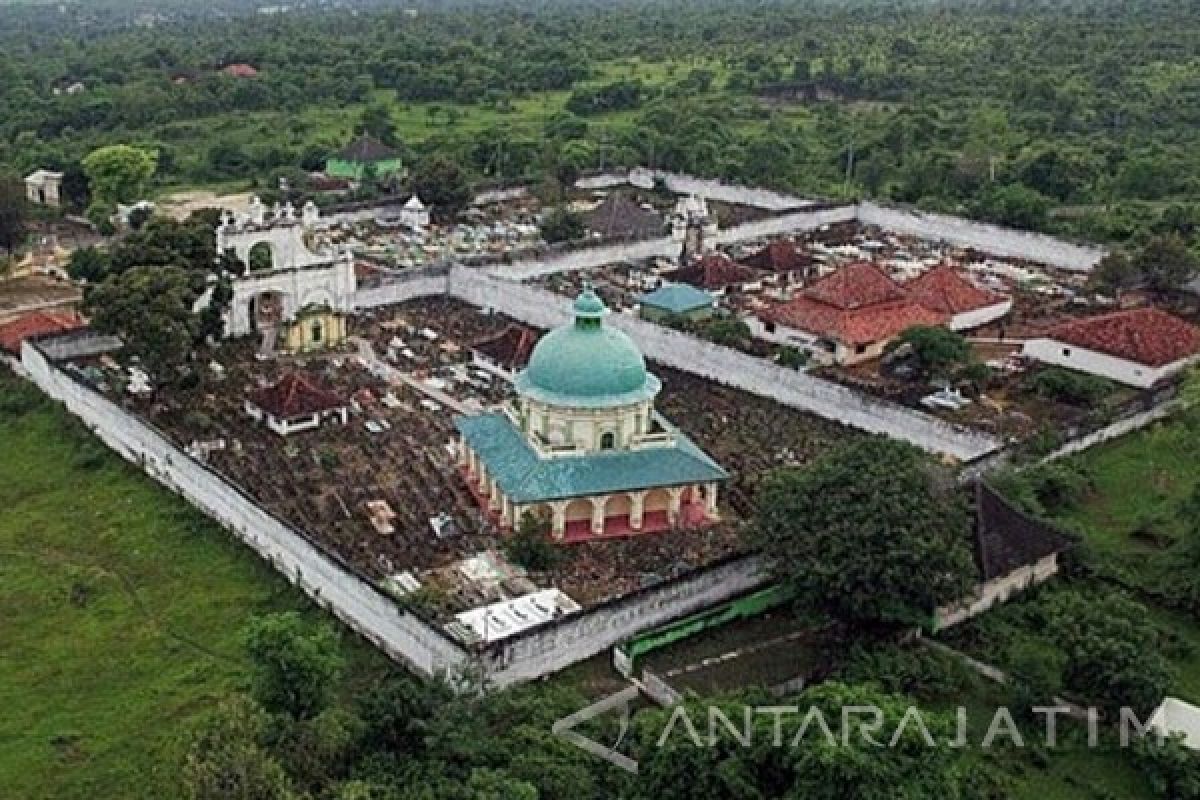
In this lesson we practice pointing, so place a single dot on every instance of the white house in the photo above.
(1177, 718)
(1139, 347)
(43, 187)
(295, 404)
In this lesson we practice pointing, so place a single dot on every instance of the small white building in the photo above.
(1177, 718)
(295, 404)
(1140, 347)
(415, 214)
(43, 188)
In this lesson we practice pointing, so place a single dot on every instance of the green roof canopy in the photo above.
(526, 478)
(677, 298)
(587, 364)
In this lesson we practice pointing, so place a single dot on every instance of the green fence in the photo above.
(628, 653)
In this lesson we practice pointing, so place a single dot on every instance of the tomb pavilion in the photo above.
(583, 445)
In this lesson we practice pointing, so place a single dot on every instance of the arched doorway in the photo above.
(579, 518)
(266, 311)
(608, 440)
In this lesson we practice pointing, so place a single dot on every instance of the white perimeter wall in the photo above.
(995, 592)
(724, 365)
(404, 637)
(687, 184)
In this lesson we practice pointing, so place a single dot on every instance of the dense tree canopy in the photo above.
(867, 534)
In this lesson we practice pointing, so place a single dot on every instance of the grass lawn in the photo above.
(120, 614)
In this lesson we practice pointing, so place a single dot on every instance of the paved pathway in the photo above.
(394, 376)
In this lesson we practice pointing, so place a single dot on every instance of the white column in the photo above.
(559, 527)
(495, 498)
(710, 495)
(637, 509)
(598, 504)
(676, 493)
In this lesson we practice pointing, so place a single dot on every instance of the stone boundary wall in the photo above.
(321, 575)
(586, 258)
(796, 222)
(560, 643)
(732, 368)
(687, 184)
(1114, 431)
(1005, 242)
(404, 285)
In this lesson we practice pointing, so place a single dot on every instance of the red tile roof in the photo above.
(295, 395)
(37, 323)
(780, 256)
(240, 71)
(856, 286)
(856, 326)
(715, 271)
(947, 290)
(1143, 335)
(511, 349)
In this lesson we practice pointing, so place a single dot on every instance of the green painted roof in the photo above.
(677, 298)
(526, 478)
(587, 364)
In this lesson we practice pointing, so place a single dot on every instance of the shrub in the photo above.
(1068, 386)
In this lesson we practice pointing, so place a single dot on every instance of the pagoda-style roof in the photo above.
(295, 395)
(524, 477)
(1007, 539)
(511, 348)
(366, 149)
(715, 271)
(947, 290)
(780, 257)
(618, 216)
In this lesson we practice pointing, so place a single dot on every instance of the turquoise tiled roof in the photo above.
(677, 298)
(526, 478)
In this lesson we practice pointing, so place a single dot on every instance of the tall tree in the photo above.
(119, 174)
(1167, 263)
(441, 183)
(296, 664)
(867, 534)
(13, 209)
(228, 759)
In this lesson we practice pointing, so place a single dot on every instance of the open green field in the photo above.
(120, 613)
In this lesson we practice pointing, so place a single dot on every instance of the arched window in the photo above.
(608, 441)
(316, 332)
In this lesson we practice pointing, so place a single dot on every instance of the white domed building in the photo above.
(583, 444)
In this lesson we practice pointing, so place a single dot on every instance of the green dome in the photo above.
(587, 364)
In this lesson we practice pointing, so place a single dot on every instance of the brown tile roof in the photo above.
(37, 323)
(947, 290)
(511, 348)
(855, 326)
(617, 215)
(365, 150)
(856, 285)
(240, 71)
(780, 256)
(295, 395)
(715, 271)
(857, 305)
(1143, 335)
(1007, 539)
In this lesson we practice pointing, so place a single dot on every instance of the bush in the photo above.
(913, 670)
(1171, 769)
(1068, 386)
(531, 546)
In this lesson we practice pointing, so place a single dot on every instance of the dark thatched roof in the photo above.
(618, 216)
(1007, 539)
(366, 150)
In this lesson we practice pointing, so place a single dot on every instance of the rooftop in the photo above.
(511, 348)
(366, 149)
(780, 256)
(1007, 539)
(295, 395)
(677, 298)
(37, 323)
(1146, 336)
(715, 271)
(617, 215)
(947, 290)
(526, 478)
(856, 286)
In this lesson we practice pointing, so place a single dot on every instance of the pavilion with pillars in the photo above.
(583, 445)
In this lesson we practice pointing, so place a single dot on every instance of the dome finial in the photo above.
(589, 308)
